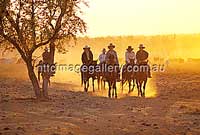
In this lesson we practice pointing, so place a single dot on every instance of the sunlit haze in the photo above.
(138, 17)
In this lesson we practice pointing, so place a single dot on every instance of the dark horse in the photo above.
(141, 78)
(101, 76)
(87, 72)
(111, 77)
(128, 75)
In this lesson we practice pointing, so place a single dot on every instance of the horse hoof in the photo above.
(85, 90)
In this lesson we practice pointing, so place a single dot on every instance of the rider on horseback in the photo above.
(112, 53)
(130, 56)
(87, 56)
(102, 60)
(142, 58)
(86, 74)
(87, 59)
(102, 56)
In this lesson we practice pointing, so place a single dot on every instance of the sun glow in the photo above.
(138, 17)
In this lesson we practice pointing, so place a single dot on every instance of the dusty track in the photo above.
(174, 110)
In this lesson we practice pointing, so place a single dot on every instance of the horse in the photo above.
(101, 76)
(141, 79)
(86, 74)
(111, 77)
(44, 72)
(47, 71)
(128, 75)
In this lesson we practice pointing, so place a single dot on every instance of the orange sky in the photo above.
(136, 17)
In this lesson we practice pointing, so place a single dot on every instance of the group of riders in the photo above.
(106, 58)
(109, 58)
(131, 58)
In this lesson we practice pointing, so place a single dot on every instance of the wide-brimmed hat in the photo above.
(86, 47)
(104, 50)
(111, 45)
(130, 48)
(141, 46)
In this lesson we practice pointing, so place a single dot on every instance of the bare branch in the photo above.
(14, 43)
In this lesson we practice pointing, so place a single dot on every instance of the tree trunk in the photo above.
(45, 87)
(33, 79)
(52, 51)
(46, 77)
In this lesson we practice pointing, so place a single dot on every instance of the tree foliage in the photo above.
(26, 25)
(30, 24)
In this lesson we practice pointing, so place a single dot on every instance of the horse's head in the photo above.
(94, 62)
(111, 59)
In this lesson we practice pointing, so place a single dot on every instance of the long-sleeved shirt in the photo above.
(129, 56)
(87, 57)
(114, 53)
(142, 55)
(102, 58)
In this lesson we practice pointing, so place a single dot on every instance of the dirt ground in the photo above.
(173, 110)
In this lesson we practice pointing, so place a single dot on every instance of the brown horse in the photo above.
(141, 79)
(87, 73)
(128, 75)
(111, 77)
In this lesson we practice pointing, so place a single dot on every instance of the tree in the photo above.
(27, 25)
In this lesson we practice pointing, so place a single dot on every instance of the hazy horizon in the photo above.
(138, 35)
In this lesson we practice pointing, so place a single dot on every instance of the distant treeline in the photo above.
(181, 46)
(171, 46)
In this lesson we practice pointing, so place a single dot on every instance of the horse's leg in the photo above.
(144, 87)
(122, 86)
(82, 81)
(115, 89)
(112, 91)
(134, 80)
(109, 91)
(98, 82)
(39, 77)
(85, 83)
(122, 82)
(88, 84)
(138, 87)
(49, 82)
(93, 84)
(101, 82)
(104, 84)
